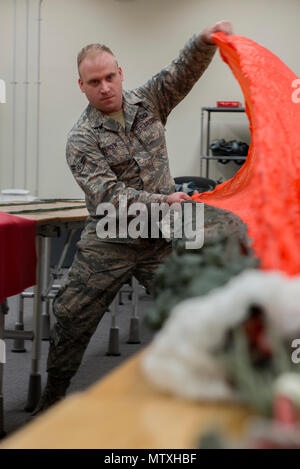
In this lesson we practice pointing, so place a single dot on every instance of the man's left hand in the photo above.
(222, 26)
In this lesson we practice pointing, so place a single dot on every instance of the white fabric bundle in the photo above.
(181, 358)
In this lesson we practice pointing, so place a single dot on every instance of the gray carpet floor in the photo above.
(94, 366)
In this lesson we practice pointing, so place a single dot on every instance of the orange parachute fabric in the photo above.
(265, 192)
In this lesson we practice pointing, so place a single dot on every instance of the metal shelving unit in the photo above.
(206, 156)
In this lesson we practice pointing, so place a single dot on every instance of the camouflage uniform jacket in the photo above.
(108, 161)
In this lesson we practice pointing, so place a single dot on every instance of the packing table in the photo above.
(123, 410)
(51, 217)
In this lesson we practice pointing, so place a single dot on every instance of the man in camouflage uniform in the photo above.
(117, 148)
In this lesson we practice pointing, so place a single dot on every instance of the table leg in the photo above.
(2, 361)
(19, 346)
(34, 389)
(50, 278)
(134, 329)
(46, 309)
(113, 342)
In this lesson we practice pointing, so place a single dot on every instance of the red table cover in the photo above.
(17, 254)
(265, 192)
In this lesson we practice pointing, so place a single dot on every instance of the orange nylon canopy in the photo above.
(265, 192)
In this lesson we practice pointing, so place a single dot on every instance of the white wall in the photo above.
(145, 35)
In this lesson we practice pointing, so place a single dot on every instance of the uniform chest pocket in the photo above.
(115, 152)
(150, 132)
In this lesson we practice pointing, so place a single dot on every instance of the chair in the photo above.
(203, 184)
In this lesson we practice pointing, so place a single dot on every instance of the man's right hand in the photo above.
(177, 197)
(223, 26)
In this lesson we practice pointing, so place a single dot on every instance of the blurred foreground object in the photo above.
(231, 344)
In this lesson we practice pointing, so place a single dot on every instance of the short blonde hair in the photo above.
(92, 49)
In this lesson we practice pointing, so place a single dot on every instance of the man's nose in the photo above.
(104, 87)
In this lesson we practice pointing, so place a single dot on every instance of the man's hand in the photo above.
(222, 26)
(177, 197)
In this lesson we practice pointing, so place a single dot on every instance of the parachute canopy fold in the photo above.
(265, 192)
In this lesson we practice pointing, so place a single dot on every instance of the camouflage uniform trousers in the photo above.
(98, 272)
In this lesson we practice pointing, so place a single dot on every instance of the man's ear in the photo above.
(121, 73)
(80, 83)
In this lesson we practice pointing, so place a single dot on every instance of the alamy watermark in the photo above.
(296, 353)
(159, 220)
(2, 92)
(2, 352)
(296, 93)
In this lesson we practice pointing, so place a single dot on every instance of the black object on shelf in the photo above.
(232, 148)
(205, 154)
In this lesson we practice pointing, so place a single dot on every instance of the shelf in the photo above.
(223, 109)
(220, 157)
(208, 110)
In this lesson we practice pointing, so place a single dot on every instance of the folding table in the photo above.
(124, 410)
(51, 217)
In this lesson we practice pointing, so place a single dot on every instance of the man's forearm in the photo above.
(166, 89)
